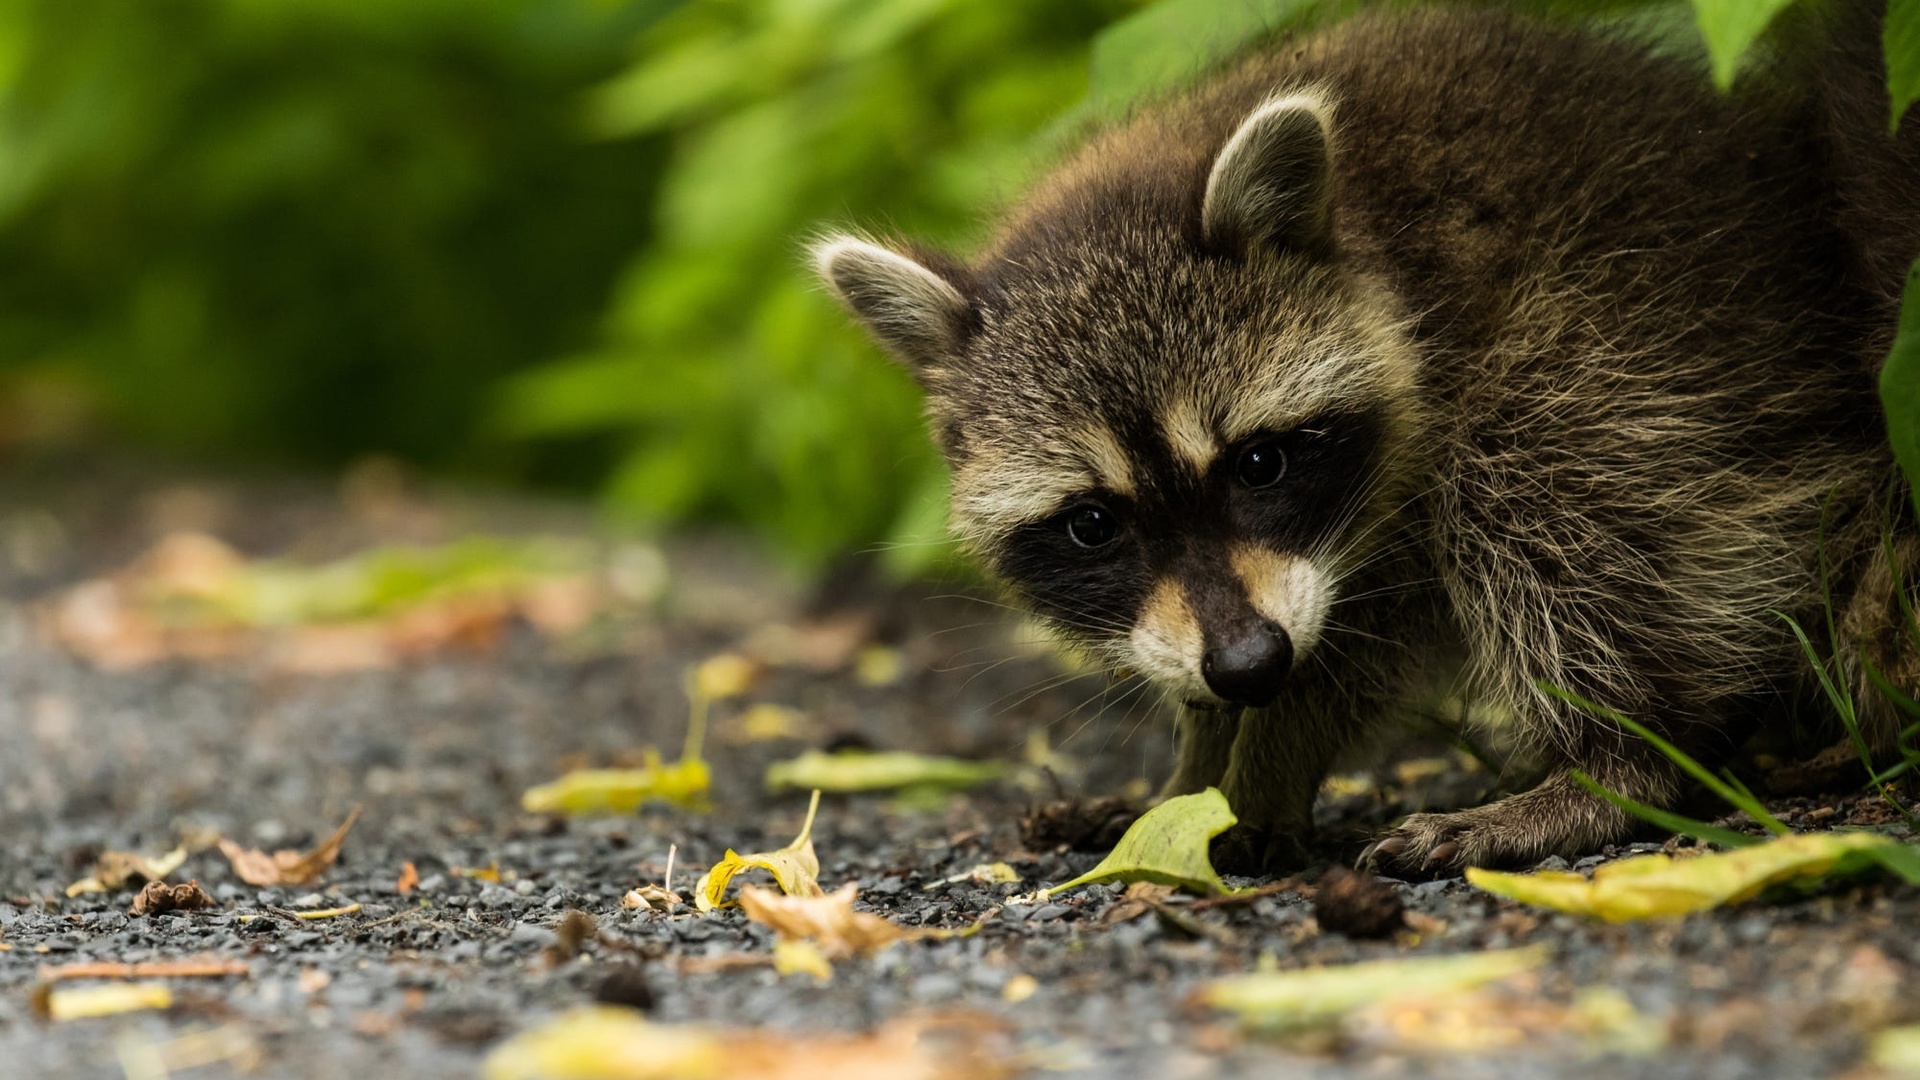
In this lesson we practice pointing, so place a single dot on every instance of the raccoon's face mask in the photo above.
(1168, 412)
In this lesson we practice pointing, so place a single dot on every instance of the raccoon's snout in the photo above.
(1250, 666)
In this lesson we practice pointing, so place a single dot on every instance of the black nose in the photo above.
(1249, 667)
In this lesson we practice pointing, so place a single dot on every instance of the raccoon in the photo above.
(1441, 353)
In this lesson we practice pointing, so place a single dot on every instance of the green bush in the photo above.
(306, 228)
(742, 392)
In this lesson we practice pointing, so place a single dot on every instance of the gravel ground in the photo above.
(437, 752)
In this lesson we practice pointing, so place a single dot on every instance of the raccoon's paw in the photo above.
(1516, 831)
(1252, 851)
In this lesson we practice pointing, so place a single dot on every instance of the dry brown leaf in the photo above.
(829, 920)
(652, 898)
(409, 878)
(159, 897)
(119, 869)
(202, 967)
(256, 867)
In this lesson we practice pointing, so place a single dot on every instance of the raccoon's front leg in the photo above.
(1204, 746)
(1279, 759)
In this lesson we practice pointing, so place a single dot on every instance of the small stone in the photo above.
(1049, 912)
(529, 934)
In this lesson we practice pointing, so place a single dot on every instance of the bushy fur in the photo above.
(1570, 358)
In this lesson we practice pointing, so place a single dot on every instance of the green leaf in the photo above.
(1900, 39)
(1730, 28)
(1900, 386)
(859, 770)
(1174, 41)
(1322, 995)
(1168, 846)
(1666, 819)
(1655, 886)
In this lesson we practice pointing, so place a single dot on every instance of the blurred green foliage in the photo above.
(562, 239)
(745, 394)
(305, 228)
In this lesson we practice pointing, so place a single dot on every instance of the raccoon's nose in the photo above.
(1249, 668)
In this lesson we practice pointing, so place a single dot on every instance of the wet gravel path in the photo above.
(437, 754)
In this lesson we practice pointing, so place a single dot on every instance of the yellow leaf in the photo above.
(606, 1043)
(1019, 988)
(720, 677)
(860, 770)
(609, 1043)
(1289, 999)
(684, 783)
(80, 1003)
(1652, 886)
(795, 957)
(879, 665)
(764, 722)
(795, 867)
(1897, 1050)
(1167, 845)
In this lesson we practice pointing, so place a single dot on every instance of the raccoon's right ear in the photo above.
(1271, 185)
(916, 313)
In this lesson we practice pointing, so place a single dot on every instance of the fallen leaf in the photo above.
(651, 898)
(1484, 1021)
(159, 897)
(998, 873)
(1655, 885)
(84, 1002)
(795, 867)
(765, 722)
(611, 1043)
(1168, 845)
(489, 872)
(204, 967)
(118, 869)
(684, 783)
(1313, 996)
(879, 665)
(1019, 988)
(409, 879)
(718, 678)
(315, 914)
(193, 596)
(256, 867)
(1140, 898)
(792, 956)
(1897, 1050)
(863, 770)
(828, 920)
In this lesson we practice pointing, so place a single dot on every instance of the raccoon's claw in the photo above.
(1251, 851)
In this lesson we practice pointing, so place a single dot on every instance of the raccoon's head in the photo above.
(1168, 402)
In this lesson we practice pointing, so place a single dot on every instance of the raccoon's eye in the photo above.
(1261, 464)
(1092, 526)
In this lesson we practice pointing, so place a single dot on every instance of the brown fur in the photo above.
(1569, 357)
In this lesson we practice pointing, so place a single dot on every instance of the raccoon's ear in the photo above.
(1271, 185)
(917, 314)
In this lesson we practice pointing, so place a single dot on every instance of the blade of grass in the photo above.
(1747, 803)
(1842, 702)
(1666, 819)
